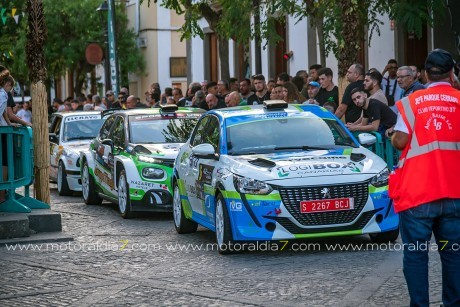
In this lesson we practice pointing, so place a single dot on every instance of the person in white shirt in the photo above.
(25, 114)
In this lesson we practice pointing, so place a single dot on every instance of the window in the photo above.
(199, 132)
(105, 130)
(118, 133)
(212, 133)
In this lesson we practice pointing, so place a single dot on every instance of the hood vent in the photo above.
(262, 162)
(356, 157)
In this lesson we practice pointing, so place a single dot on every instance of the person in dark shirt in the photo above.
(377, 116)
(355, 75)
(261, 93)
(328, 92)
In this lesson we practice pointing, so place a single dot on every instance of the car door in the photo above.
(102, 152)
(199, 178)
(55, 152)
(190, 167)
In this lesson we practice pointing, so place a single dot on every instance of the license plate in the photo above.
(326, 205)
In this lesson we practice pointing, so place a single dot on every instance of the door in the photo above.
(103, 156)
(55, 153)
(416, 48)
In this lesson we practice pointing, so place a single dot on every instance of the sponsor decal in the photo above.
(104, 178)
(193, 161)
(142, 185)
(261, 203)
(316, 168)
(205, 173)
(199, 186)
(236, 206)
(81, 117)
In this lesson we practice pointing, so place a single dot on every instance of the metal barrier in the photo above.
(383, 148)
(19, 155)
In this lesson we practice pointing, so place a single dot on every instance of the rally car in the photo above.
(278, 172)
(69, 133)
(130, 162)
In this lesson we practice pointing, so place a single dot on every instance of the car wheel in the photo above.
(62, 184)
(384, 237)
(224, 235)
(124, 203)
(88, 188)
(181, 223)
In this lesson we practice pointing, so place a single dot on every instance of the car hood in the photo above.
(168, 151)
(78, 146)
(315, 163)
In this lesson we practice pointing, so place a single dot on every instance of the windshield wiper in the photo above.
(304, 147)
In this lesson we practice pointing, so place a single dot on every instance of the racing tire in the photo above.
(124, 203)
(384, 237)
(88, 187)
(224, 237)
(182, 224)
(62, 184)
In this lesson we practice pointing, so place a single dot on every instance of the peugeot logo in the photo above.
(326, 193)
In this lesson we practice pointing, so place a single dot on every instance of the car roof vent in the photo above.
(275, 104)
(169, 108)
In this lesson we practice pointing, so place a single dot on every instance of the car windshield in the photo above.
(289, 133)
(82, 129)
(157, 129)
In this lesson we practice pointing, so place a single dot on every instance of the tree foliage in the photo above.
(72, 25)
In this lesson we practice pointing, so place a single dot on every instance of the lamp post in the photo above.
(112, 44)
(102, 10)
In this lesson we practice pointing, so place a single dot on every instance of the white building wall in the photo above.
(382, 47)
(164, 46)
(197, 55)
(298, 44)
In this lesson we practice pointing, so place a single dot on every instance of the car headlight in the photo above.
(153, 173)
(149, 159)
(251, 186)
(381, 179)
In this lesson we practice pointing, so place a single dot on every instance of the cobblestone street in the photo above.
(139, 261)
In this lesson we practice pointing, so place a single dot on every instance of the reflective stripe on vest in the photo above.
(415, 149)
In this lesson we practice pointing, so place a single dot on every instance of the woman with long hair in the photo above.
(291, 93)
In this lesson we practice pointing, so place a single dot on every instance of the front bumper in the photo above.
(277, 216)
(152, 201)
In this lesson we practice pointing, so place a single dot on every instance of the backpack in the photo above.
(390, 98)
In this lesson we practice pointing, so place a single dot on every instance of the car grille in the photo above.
(292, 196)
(294, 229)
(167, 162)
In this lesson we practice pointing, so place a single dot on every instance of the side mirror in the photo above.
(366, 139)
(108, 142)
(53, 138)
(205, 151)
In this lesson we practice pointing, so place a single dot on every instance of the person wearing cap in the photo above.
(110, 99)
(424, 187)
(355, 75)
(312, 90)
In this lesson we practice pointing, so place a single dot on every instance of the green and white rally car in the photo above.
(130, 162)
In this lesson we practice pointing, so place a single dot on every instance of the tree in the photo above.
(72, 25)
(36, 37)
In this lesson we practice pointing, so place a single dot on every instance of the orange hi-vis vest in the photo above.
(429, 166)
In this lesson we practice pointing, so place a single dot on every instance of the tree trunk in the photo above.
(36, 37)
(41, 143)
(322, 48)
(224, 61)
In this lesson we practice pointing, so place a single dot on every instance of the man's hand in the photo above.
(389, 132)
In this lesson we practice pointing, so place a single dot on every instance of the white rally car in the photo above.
(280, 172)
(70, 133)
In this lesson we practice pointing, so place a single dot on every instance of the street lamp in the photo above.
(103, 9)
